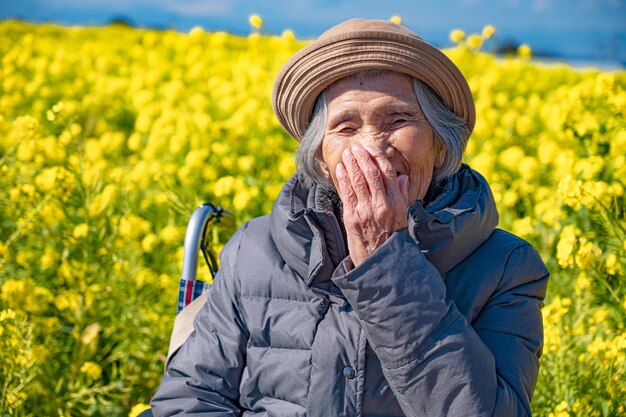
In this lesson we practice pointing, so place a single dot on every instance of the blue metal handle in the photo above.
(198, 228)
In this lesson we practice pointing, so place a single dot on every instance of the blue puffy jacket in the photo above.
(442, 320)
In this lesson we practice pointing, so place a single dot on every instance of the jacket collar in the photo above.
(306, 230)
(308, 235)
(456, 222)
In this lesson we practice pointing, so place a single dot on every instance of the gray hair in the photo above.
(450, 134)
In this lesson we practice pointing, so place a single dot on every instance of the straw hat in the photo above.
(356, 45)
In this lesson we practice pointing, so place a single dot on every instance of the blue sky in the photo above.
(575, 29)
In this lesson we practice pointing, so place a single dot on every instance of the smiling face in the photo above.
(380, 111)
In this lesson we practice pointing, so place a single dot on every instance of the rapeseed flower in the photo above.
(92, 370)
(133, 227)
(149, 242)
(138, 409)
(196, 32)
(255, 21)
(15, 398)
(103, 200)
(80, 231)
(4, 253)
(56, 181)
(587, 253)
(488, 31)
(565, 246)
(560, 410)
(612, 265)
(171, 234)
(571, 191)
(582, 284)
(457, 35)
(50, 258)
(475, 41)
(7, 314)
(524, 51)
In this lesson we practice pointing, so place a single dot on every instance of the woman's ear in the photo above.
(324, 169)
(440, 152)
(439, 158)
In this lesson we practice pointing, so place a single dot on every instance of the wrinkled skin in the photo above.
(378, 151)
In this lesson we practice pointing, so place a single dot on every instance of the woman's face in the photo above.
(380, 111)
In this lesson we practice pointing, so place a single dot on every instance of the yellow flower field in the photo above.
(109, 137)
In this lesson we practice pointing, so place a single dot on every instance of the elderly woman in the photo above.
(378, 285)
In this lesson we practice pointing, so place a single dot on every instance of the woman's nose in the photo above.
(377, 141)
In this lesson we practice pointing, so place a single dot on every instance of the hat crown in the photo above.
(353, 27)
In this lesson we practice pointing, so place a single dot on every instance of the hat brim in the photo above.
(308, 72)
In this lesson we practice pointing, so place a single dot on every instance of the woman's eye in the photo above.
(346, 130)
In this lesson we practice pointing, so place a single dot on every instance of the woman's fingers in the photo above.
(345, 187)
(387, 170)
(385, 167)
(356, 176)
(393, 182)
(372, 174)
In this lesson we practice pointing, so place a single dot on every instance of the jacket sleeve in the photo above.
(436, 363)
(203, 377)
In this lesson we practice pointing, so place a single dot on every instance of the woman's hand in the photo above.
(374, 199)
